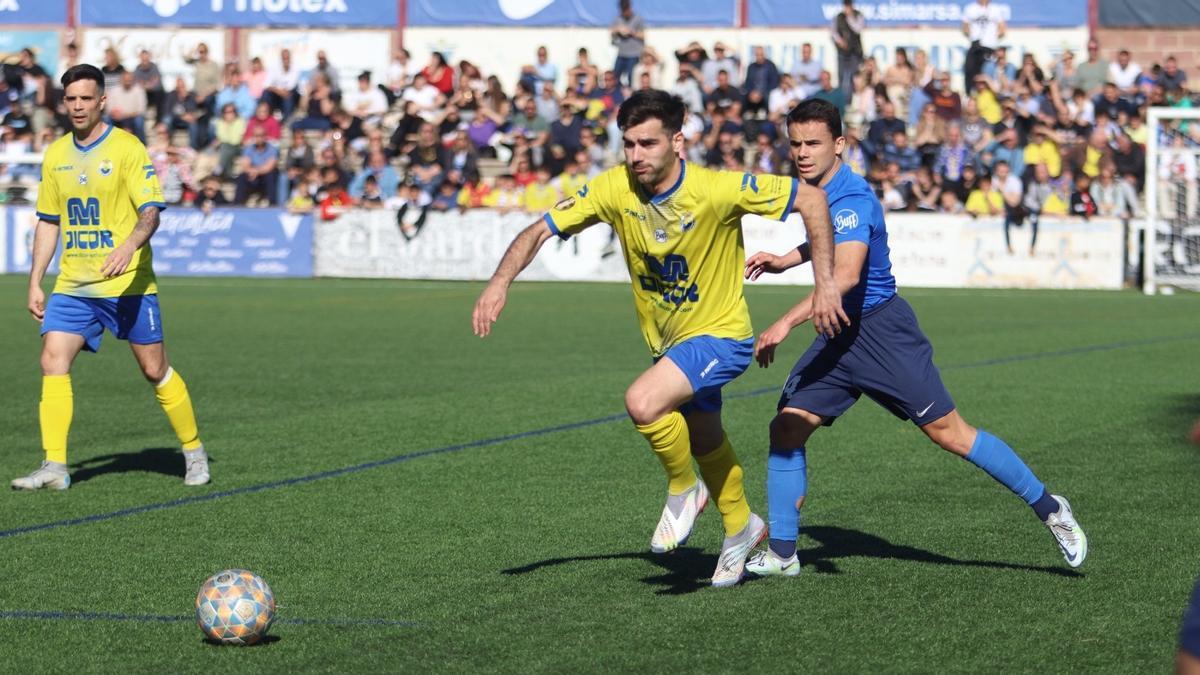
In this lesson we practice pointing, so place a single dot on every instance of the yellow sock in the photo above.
(173, 396)
(723, 476)
(54, 414)
(668, 437)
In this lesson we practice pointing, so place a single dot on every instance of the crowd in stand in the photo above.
(1019, 140)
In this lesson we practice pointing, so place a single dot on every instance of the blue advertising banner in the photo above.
(17, 12)
(274, 13)
(233, 242)
(884, 13)
(20, 223)
(567, 12)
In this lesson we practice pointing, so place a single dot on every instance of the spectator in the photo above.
(439, 74)
(111, 69)
(335, 200)
(986, 103)
(445, 200)
(565, 131)
(1001, 75)
(926, 191)
(898, 81)
(1009, 185)
(1113, 197)
(948, 202)
(258, 170)
(985, 200)
(532, 127)
(1093, 73)
(174, 169)
(583, 76)
(325, 68)
(1172, 77)
(651, 65)
(807, 71)
(930, 134)
(429, 99)
(983, 24)
(1011, 120)
(206, 77)
(963, 188)
(1177, 187)
(237, 92)
(783, 99)
(1043, 149)
(282, 90)
(830, 93)
(1006, 150)
(1066, 73)
(629, 37)
(428, 161)
(722, 59)
(898, 152)
(508, 196)
(953, 156)
(945, 100)
(1030, 78)
(303, 196)
(691, 60)
(181, 111)
(724, 97)
(371, 197)
(399, 74)
(256, 78)
(853, 155)
(299, 160)
(541, 195)
(767, 158)
(127, 106)
(880, 131)
(484, 131)
(547, 104)
(368, 104)
(463, 158)
(895, 191)
(210, 196)
(230, 133)
(688, 88)
(474, 192)
(761, 78)
(847, 30)
(1080, 109)
(1082, 203)
(263, 120)
(1125, 73)
(542, 73)
(1088, 157)
(1040, 198)
(378, 168)
(976, 131)
(322, 101)
(146, 75)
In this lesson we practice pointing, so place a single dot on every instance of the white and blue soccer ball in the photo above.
(235, 607)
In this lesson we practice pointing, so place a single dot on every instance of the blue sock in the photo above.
(1000, 462)
(787, 481)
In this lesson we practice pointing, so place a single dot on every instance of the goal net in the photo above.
(1171, 256)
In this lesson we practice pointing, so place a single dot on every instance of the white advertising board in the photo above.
(350, 51)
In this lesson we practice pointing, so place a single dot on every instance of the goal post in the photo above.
(1171, 252)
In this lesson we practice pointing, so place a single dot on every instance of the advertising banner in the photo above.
(18, 12)
(233, 242)
(885, 13)
(169, 49)
(567, 12)
(44, 44)
(292, 13)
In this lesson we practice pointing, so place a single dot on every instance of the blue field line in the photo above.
(333, 473)
(182, 618)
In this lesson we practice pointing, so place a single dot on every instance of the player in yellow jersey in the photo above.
(100, 196)
(680, 229)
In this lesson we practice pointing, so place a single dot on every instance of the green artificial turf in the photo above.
(510, 532)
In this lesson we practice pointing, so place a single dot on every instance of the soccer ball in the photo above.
(235, 607)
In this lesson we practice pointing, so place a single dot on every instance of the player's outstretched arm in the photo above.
(828, 315)
(45, 240)
(117, 261)
(768, 263)
(518, 256)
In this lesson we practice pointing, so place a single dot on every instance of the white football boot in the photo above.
(1067, 533)
(673, 532)
(196, 462)
(50, 475)
(766, 564)
(734, 550)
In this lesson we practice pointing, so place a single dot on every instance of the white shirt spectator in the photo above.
(983, 24)
(808, 76)
(781, 100)
(284, 79)
(425, 97)
(1124, 78)
(711, 67)
(364, 104)
(689, 91)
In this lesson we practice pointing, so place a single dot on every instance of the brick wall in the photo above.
(1148, 46)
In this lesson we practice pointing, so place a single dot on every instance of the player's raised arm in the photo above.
(828, 315)
(45, 240)
(518, 256)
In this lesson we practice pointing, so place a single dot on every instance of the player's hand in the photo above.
(487, 308)
(37, 303)
(762, 262)
(764, 346)
(828, 315)
(116, 262)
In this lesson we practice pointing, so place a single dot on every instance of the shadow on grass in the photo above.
(687, 569)
(165, 461)
(267, 641)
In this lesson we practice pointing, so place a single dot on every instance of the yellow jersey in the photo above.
(683, 247)
(98, 190)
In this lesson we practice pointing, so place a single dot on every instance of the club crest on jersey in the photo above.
(565, 204)
(844, 221)
(687, 221)
(660, 235)
(82, 178)
(105, 167)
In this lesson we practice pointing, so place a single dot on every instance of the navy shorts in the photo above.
(884, 355)
(710, 363)
(1189, 633)
(130, 317)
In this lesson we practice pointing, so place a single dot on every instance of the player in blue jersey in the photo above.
(100, 196)
(883, 354)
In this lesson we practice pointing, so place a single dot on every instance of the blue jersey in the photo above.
(857, 215)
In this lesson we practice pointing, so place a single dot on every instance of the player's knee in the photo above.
(642, 407)
(951, 437)
(54, 363)
(791, 429)
(154, 371)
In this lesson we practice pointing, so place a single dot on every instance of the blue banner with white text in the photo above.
(568, 12)
(273, 13)
(885, 13)
(233, 242)
(27, 12)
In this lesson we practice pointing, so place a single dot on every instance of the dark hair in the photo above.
(83, 71)
(817, 110)
(650, 104)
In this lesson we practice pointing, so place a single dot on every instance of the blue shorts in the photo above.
(130, 317)
(710, 363)
(884, 355)
(1189, 633)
